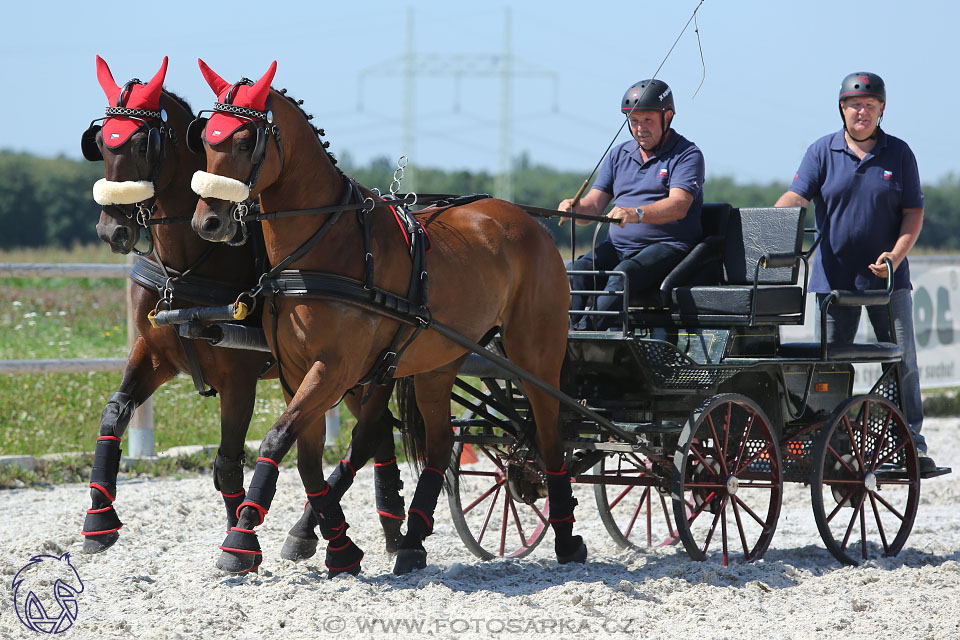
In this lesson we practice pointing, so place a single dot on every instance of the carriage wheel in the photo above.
(727, 482)
(635, 516)
(866, 480)
(495, 504)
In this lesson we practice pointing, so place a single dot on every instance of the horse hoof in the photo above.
(579, 556)
(99, 543)
(297, 549)
(410, 560)
(239, 563)
(392, 535)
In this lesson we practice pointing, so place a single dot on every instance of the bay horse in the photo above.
(148, 168)
(490, 266)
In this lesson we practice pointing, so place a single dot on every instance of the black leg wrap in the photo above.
(116, 415)
(340, 480)
(390, 507)
(241, 551)
(262, 487)
(569, 548)
(101, 524)
(343, 555)
(232, 502)
(228, 479)
(424, 503)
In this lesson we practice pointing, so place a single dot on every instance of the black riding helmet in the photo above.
(649, 95)
(862, 84)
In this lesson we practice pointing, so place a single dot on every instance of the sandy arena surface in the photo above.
(159, 580)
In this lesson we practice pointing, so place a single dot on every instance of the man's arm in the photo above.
(791, 199)
(909, 230)
(673, 207)
(591, 204)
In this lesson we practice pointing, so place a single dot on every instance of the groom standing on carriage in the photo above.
(656, 183)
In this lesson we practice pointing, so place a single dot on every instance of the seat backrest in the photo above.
(714, 217)
(755, 231)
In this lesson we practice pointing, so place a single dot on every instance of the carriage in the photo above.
(703, 413)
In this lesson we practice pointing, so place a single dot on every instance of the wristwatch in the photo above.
(639, 215)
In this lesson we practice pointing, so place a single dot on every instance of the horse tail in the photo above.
(414, 430)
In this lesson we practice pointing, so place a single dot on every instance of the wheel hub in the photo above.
(525, 483)
(732, 485)
(870, 482)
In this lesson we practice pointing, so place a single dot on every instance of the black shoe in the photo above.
(927, 465)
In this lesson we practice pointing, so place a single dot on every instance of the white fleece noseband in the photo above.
(106, 192)
(210, 185)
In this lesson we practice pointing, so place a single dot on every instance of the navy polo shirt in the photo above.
(634, 183)
(859, 208)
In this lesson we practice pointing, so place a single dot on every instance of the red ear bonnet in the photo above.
(117, 129)
(222, 125)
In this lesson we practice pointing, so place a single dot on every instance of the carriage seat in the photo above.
(762, 251)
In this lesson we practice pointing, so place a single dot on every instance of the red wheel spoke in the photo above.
(864, 428)
(746, 436)
(853, 521)
(721, 452)
(703, 461)
(486, 520)
(743, 537)
(889, 506)
(495, 460)
(756, 485)
(713, 525)
(503, 522)
(540, 515)
(723, 532)
(853, 442)
(892, 453)
(863, 530)
(483, 496)
(705, 485)
(636, 512)
(480, 474)
(516, 519)
(883, 440)
(876, 515)
(842, 503)
(617, 500)
(666, 517)
(694, 513)
(747, 508)
(842, 462)
(746, 464)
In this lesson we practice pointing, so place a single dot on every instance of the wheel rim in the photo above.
(635, 516)
(728, 479)
(866, 481)
(491, 521)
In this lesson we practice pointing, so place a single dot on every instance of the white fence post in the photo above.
(333, 426)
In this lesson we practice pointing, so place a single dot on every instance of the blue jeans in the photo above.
(842, 324)
(645, 271)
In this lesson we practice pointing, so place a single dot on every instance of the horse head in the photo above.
(241, 161)
(138, 145)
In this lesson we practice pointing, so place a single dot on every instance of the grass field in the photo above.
(86, 318)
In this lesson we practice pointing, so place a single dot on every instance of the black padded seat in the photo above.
(772, 300)
(857, 352)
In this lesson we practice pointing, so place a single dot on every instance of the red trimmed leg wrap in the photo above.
(106, 465)
(241, 541)
(101, 521)
(232, 502)
(387, 484)
(424, 503)
(562, 501)
(344, 556)
(340, 480)
(262, 488)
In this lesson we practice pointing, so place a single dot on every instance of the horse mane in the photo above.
(309, 117)
(179, 100)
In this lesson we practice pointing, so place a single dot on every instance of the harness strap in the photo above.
(204, 291)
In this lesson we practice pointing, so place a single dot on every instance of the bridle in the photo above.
(263, 120)
(158, 134)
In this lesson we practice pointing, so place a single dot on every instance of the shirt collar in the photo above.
(839, 143)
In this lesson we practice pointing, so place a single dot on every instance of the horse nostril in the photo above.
(210, 224)
(120, 236)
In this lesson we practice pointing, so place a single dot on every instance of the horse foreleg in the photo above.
(101, 525)
(433, 400)
(237, 398)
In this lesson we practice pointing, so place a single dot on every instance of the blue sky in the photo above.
(773, 71)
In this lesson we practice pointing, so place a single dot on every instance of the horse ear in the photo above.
(107, 83)
(258, 92)
(155, 86)
(218, 84)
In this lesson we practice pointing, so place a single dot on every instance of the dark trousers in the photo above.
(645, 271)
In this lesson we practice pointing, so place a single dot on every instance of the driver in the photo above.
(655, 182)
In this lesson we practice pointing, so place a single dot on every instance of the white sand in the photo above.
(159, 580)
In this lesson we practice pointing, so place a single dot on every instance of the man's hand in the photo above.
(624, 216)
(565, 205)
(879, 268)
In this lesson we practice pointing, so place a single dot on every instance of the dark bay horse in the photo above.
(490, 265)
(146, 190)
